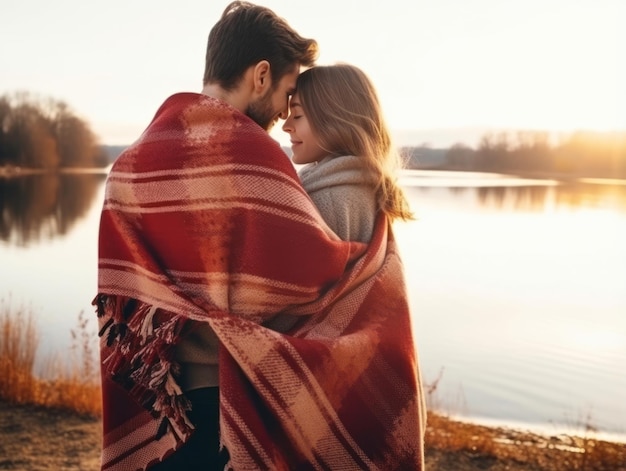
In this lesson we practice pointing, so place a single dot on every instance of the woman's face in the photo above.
(304, 145)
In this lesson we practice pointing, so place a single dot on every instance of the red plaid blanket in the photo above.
(204, 220)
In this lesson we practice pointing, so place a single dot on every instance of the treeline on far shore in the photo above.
(44, 133)
(579, 154)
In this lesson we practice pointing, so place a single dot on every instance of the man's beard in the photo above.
(262, 111)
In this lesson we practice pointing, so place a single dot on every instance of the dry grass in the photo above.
(527, 450)
(523, 449)
(73, 385)
(69, 383)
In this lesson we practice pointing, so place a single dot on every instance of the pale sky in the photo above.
(445, 69)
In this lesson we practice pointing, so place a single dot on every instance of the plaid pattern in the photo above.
(204, 220)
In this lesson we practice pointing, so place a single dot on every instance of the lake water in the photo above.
(517, 287)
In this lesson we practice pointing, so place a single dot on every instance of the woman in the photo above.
(337, 128)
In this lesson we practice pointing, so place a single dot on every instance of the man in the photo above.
(206, 240)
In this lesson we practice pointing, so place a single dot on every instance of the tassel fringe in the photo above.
(140, 341)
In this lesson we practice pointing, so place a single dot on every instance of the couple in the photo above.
(254, 318)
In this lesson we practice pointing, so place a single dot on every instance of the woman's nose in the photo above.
(287, 125)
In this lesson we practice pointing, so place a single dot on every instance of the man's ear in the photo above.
(262, 77)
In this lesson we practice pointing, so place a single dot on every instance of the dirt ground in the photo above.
(37, 439)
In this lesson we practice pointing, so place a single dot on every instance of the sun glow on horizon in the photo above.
(559, 71)
(442, 69)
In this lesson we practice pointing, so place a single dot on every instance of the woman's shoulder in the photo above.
(340, 171)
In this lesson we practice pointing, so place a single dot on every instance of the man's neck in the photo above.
(234, 98)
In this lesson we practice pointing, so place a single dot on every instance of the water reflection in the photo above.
(539, 198)
(41, 207)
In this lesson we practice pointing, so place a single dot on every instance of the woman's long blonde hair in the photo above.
(344, 112)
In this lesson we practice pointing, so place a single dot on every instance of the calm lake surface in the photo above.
(517, 286)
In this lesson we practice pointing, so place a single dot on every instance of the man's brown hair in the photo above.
(247, 34)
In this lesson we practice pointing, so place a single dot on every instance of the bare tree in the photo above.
(45, 133)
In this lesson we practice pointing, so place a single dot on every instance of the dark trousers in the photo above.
(201, 452)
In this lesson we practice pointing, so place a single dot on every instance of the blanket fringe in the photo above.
(140, 340)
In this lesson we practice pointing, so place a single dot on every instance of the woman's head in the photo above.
(343, 111)
(343, 116)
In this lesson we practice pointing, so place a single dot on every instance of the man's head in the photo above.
(251, 45)
(251, 36)
(247, 34)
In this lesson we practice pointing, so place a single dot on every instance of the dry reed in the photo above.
(69, 383)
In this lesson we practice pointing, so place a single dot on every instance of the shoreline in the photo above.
(41, 439)
(10, 171)
(544, 430)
